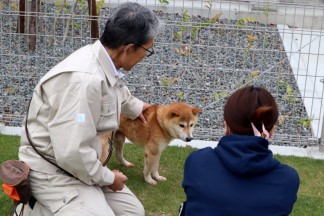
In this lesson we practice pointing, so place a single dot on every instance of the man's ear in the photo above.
(129, 48)
(227, 130)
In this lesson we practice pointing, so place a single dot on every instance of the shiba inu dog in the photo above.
(164, 123)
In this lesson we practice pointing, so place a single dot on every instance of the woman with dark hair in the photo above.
(76, 102)
(240, 176)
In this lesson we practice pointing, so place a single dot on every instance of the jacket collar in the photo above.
(245, 155)
(108, 68)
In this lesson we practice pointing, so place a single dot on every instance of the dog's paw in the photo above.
(150, 180)
(159, 178)
(127, 164)
(130, 165)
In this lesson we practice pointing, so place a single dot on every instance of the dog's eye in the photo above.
(181, 125)
(191, 125)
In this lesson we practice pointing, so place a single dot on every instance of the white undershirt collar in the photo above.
(116, 72)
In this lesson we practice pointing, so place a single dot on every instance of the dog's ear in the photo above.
(196, 110)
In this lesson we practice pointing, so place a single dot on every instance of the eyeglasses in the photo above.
(150, 51)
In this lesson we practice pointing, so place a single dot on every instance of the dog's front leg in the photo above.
(155, 169)
(151, 155)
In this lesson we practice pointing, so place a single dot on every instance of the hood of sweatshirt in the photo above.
(245, 155)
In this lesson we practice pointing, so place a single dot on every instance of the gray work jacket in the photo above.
(76, 101)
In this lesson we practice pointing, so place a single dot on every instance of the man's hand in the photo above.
(141, 116)
(119, 181)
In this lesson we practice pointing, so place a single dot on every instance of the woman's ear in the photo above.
(272, 130)
(227, 130)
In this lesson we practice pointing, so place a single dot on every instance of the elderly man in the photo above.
(77, 100)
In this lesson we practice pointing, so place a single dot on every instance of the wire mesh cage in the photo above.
(206, 50)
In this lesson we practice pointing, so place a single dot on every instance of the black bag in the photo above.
(14, 174)
(182, 208)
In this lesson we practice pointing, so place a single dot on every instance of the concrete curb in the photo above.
(310, 152)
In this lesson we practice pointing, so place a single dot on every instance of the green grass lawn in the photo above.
(164, 198)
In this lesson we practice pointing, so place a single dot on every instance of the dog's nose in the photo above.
(188, 139)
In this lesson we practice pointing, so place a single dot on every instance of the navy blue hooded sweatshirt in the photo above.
(238, 178)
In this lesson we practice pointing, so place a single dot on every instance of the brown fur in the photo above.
(105, 146)
(163, 125)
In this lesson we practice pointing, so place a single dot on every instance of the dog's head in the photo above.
(179, 120)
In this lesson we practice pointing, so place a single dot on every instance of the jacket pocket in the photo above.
(108, 117)
(64, 200)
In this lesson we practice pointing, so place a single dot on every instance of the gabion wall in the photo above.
(202, 56)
